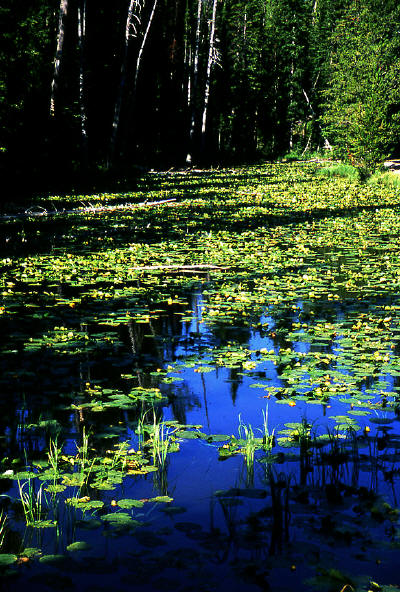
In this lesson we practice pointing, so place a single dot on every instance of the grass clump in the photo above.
(385, 179)
(347, 171)
(33, 502)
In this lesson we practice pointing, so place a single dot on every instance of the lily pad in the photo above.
(127, 504)
(78, 546)
(7, 559)
(53, 559)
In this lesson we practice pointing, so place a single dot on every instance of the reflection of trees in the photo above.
(240, 332)
(40, 384)
(180, 400)
(235, 380)
(328, 505)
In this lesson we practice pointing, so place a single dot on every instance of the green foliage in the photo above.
(363, 94)
(391, 180)
(346, 171)
(25, 66)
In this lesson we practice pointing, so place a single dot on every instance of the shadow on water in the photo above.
(205, 202)
(98, 232)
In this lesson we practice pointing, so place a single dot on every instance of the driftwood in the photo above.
(39, 212)
(177, 267)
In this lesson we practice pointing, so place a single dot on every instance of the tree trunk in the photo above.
(140, 54)
(327, 145)
(82, 99)
(208, 75)
(187, 58)
(291, 89)
(132, 19)
(62, 15)
(193, 87)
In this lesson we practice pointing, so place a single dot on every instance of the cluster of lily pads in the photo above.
(112, 306)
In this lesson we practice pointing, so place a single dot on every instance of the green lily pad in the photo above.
(31, 552)
(189, 435)
(381, 420)
(53, 559)
(217, 438)
(7, 559)
(83, 504)
(165, 499)
(89, 524)
(78, 546)
(127, 504)
(120, 519)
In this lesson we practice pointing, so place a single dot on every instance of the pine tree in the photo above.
(363, 97)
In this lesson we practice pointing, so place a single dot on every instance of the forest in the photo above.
(96, 90)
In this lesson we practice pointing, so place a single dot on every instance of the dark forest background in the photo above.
(93, 90)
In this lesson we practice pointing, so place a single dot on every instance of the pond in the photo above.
(202, 393)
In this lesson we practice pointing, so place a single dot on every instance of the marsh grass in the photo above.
(340, 453)
(346, 171)
(385, 179)
(267, 436)
(246, 434)
(248, 449)
(33, 501)
(161, 439)
(84, 463)
(119, 457)
(54, 456)
(140, 430)
(155, 438)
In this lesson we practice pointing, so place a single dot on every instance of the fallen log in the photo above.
(200, 267)
(39, 212)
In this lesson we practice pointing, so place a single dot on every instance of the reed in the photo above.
(160, 441)
(3, 527)
(32, 501)
(267, 436)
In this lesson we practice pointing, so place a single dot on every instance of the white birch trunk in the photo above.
(193, 87)
(140, 54)
(327, 145)
(62, 15)
(291, 89)
(130, 31)
(208, 74)
(82, 102)
(188, 62)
